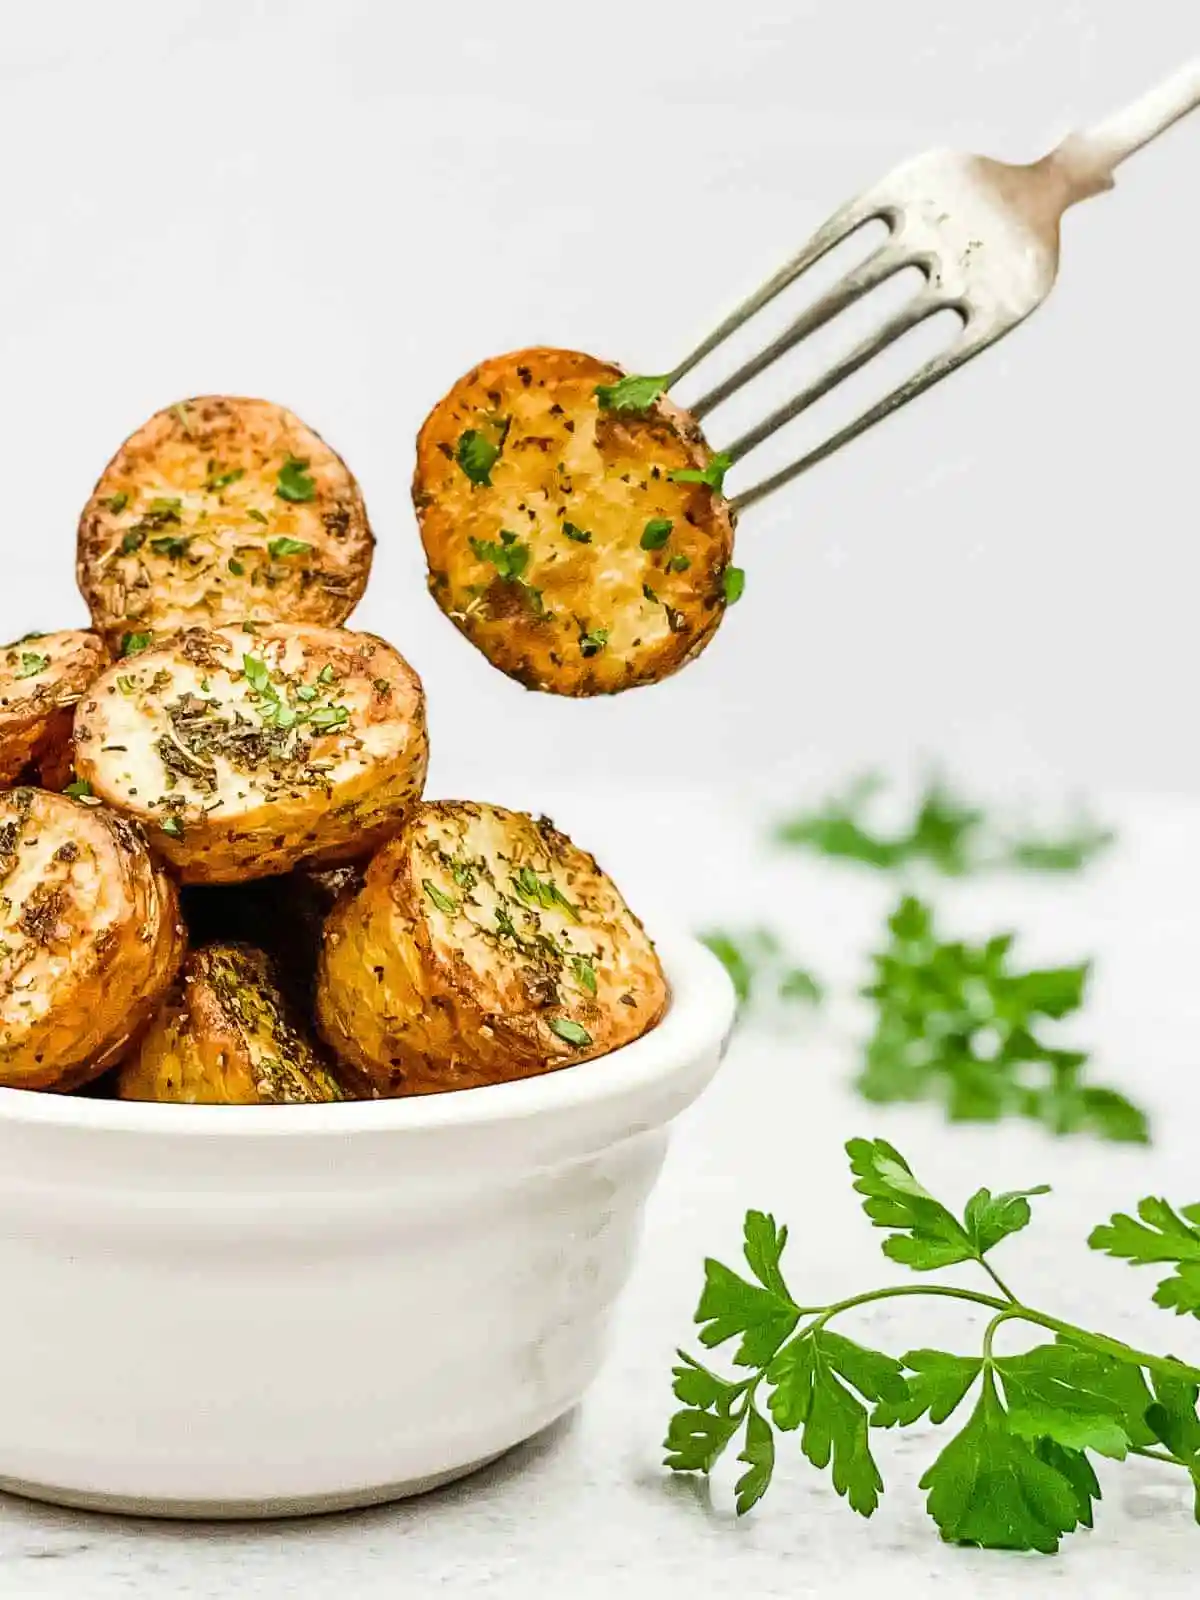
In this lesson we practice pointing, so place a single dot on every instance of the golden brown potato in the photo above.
(42, 678)
(557, 537)
(220, 509)
(483, 946)
(244, 753)
(224, 1035)
(90, 938)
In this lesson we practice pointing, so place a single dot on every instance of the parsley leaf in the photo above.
(543, 892)
(479, 449)
(733, 583)
(287, 547)
(172, 545)
(755, 961)
(116, 503)
(255, 514)
(294, 483)
(631, 395)
(509, 557)
(656, 533)
(713, 474)
(960, 1024)
(443, 902)
(591, 644)
(31, 664)
(936, 1383)
(1161, 1235)
(679, 563)
(570, 1031)
(134, 643)
(216, 481)
(172, 826)
(579, 535)
(81, 789)
(989, 1487)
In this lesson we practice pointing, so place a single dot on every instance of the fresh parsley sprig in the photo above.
(1018, 1474)
(946, 833)
(755, 960)
(960, 1024)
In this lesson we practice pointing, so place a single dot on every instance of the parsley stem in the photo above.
(896, 1291)
(998, 1281)
(1164, 1456)
(1168, 1365)
(1012, 1309)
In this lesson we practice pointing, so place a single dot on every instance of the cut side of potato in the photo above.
(483, 946)
(244, 753)
(558, 535)
(90, 938)
(224, 1035)
(217, 510)
(42, 678)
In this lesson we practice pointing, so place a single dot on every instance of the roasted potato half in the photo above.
(90, 939)
(244, 753)
(483, 946)
(42, 678)
(220, 509)
(558, 535)
(224, 1035)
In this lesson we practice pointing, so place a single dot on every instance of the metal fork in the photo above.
(985, 235)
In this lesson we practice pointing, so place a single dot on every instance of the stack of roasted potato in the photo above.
(221, 882)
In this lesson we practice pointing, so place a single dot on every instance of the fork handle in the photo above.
(1088, 159)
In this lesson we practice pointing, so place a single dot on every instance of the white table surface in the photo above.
(587, 1506)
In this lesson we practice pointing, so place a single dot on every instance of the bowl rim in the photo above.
(698, 1019)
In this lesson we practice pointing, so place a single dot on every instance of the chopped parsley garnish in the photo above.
(255, 514)
(164, 510)
(542, 892)
(478, 451)
(173, 545)
(509, 557)
(679, 563)
(133, 541)
(713, 474)
(734, 584)
(172, 826)
(32, 664)
(254, 669)
(305, 691)
(216, 481)
(656, 533)
(81, 789)
(570, 1031)
(126, 684)
(294, 483)
(327, 674)
(327, 717)
(585, 972)
(632, 395)
(649, 594)
(591, 644)
(580, 535)
(288, 547)
(133, 643)
(116, 503)
(442, 901)
(236, 567)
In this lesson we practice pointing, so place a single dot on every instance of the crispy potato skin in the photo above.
(565, 462)
(187, 738)
(477, 934)
(224, 1035)
(90, 938)
(177, 532)
(42, 679)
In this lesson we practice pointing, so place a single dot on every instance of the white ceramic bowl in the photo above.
(231, 1311)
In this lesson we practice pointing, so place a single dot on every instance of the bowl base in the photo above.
(242, 1510)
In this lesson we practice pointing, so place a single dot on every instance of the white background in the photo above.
(342, 206)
